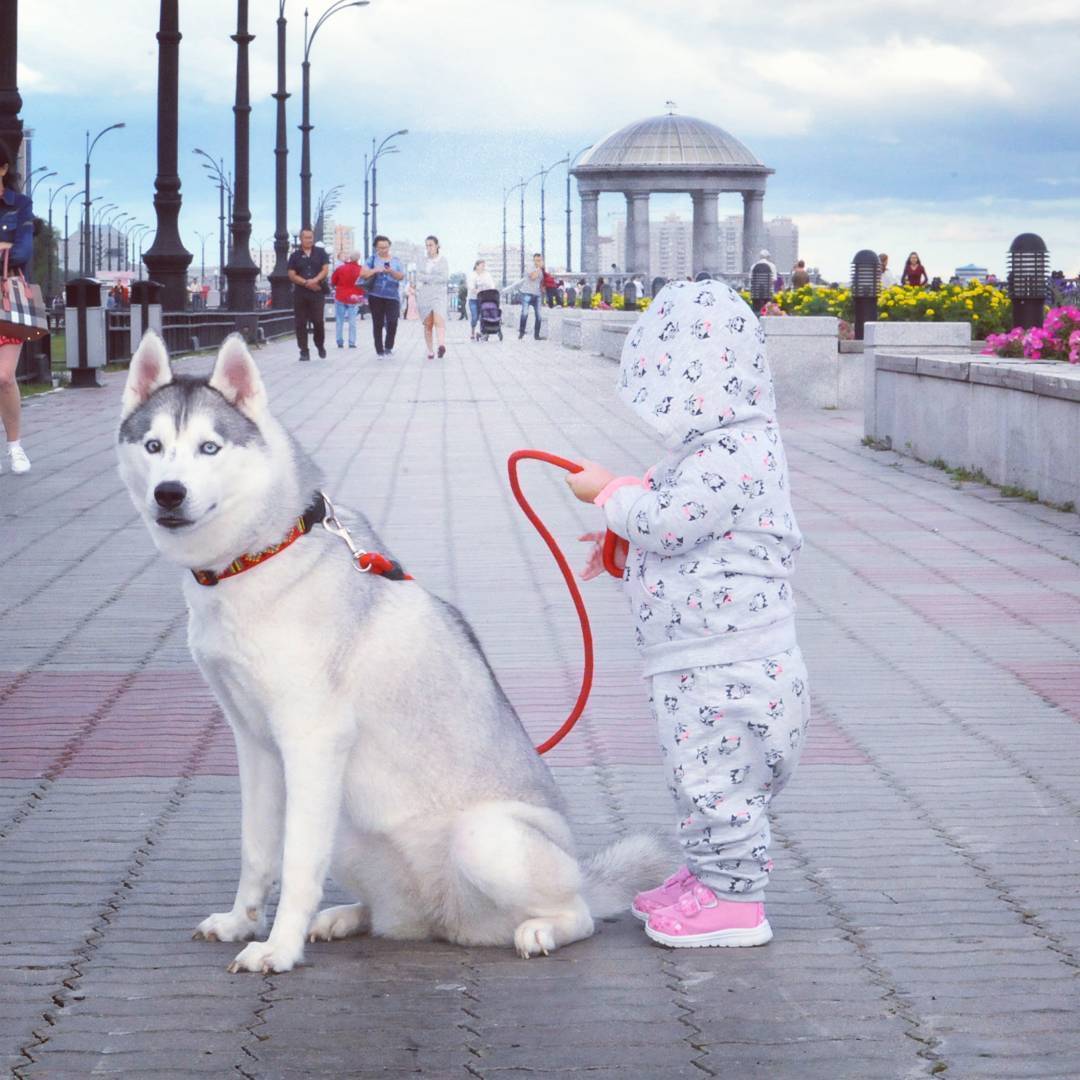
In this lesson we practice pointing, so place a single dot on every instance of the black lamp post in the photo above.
(216, 169)
(1029, 262)
(383, 148)
(137, 257)
(865, 286)
(11, 128)
(121, 222)
(49, 273)
(87, 248)
(507, 192)
(305, 108)
(168, 259)
(543, 180)
(241, 270)
(327, 204)
(524, 185)
(280, 286)
(67, 206)
(105, 241)
(571, 158)
(95, 237)
(45, 176)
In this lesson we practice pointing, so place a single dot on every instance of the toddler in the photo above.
(712, 544)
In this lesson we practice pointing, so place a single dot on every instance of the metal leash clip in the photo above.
(332, 525)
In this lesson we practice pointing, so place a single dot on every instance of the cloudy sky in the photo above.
(946, 128)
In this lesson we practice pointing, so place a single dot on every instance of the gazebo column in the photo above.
(637, 233)
(706, 231)
(753, 229)
(590, 232)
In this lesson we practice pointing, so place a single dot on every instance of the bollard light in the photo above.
(1028, 263)
(865, 286)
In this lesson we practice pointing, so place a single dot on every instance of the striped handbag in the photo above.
(22, 309)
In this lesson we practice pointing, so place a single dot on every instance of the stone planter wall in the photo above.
(1017, 421)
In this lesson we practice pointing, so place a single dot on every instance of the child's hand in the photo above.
(594, 564)
(588, 483)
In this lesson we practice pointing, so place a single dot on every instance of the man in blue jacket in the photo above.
(382, 274)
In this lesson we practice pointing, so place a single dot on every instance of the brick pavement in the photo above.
(925, 902)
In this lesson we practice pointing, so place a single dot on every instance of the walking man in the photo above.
(308, 267)
(382, 274)
(531, 286)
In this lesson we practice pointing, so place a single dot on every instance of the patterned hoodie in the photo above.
(711, 530)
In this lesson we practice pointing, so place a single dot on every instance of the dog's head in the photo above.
(201, 457)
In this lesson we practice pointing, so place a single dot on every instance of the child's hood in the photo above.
(694, 362)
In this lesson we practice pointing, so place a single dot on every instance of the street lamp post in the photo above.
(571, 158)
(94, 260)
(142, 230)
(203, 237)
(119, 225)
(305, 108)
(524, 185)
(383, 148)
(280, 286)
(67, 207)
(106, 240)
(543, 180)
(49, 273)
(124, 229)
(327, 204)
(34, 185)
(367, 211)
(86, 187)
(216, 169)
(241, 270)
(507, 192)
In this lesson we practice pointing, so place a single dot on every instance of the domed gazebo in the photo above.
(671, 153)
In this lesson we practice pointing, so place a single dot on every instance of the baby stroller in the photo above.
(490, 313)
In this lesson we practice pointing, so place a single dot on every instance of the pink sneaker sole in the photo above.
(757, 935)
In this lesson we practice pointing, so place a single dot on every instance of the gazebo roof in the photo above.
(668, 141)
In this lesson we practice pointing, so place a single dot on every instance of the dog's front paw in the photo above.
(229, 926)
(266, 956)
(535, 936)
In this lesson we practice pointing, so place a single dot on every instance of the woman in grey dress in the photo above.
(432, 277)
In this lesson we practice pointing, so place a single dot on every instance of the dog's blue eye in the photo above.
(153, 446)
(209, 448)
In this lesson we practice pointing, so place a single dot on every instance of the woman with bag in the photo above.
(16, 251)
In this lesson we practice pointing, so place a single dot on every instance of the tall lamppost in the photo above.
(241, 271)
(383, 148)
(11, 127)
(507, 192)
(203, 237)
(67, 207)
(95, 235)
(524, 185)
(305, 108)
(121, 221)
(105, 241)
(53, 192)
(280, 286)
(216, 169)
(571, 158)
(142, 230)
(543, 180)
(327, 204)
(45, 176)
(86, 187)
(124, 228)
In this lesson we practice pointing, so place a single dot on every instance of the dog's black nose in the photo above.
(170, 494)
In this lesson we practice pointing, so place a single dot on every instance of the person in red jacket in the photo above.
(348, 294)
(551, 287)
(914, 271)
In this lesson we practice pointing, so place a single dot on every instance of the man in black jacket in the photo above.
(308, 267)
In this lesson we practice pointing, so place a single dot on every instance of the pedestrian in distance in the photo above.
(914, 271)
(308, 269)
(462, 301)
(17, 245)
(348, 296)
(432, 280)
(888, 278)
(383, 274)
(476, 279)
(551, 287)
(531, 287)
(712, 545)
(799, 276)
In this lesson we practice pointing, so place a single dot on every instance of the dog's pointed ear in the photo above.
(149, 371)
(237, 378)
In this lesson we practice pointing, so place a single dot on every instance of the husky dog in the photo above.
(373, 740)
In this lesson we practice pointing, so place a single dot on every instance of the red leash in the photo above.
(610, 564)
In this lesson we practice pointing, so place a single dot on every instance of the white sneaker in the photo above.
(20, 463)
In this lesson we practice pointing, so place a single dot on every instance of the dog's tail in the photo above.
(615, 875)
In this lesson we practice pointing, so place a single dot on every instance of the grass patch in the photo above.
(876, 444)
(27, 390)
(1013, 491)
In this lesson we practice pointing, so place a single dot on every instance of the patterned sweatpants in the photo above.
(731, 736)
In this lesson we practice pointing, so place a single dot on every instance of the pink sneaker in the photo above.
(699, 918)
(645, 903)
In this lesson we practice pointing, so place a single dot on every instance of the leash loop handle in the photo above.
(568, 577)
